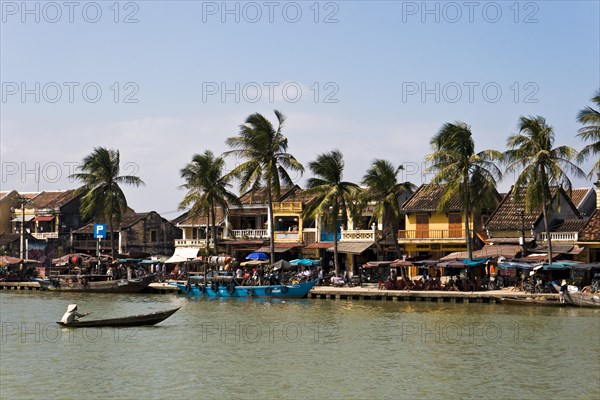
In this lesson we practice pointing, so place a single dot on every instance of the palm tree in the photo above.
(267, 161)
(207, 189)
(542, 166)
(103, 199)
(382, 185)
(462, 172)
(331, 194)
(590, 118)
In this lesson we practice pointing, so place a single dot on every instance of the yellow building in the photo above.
(432, 233)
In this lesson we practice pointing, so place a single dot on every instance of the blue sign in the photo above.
(99, 231)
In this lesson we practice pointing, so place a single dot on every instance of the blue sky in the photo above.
(372, 79)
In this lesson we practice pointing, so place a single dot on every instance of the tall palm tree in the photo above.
(590, 119)
(267, 161)
(542, 166)
(463, 172)
(381, 180)
(207, 189)
(103, 199)
(330, 192)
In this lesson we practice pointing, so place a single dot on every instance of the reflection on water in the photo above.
(282, 348)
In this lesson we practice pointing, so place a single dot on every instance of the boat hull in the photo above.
(531, 302)
(134, 320)
(114, 286)
(297, 290)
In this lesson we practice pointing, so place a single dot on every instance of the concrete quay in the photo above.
(372, 293)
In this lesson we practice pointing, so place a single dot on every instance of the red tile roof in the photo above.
(427, 199)
(591, 230)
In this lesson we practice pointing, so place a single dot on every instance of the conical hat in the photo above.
(71, 307)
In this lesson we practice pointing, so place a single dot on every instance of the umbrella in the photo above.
(281, 264)
(7, 260)
(401, 263)
(453, 264)
(257, 256)
(304, 262)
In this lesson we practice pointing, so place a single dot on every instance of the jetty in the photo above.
(372, 293)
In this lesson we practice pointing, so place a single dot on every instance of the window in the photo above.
(153, 236)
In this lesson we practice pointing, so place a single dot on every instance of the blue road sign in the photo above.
(99, 231)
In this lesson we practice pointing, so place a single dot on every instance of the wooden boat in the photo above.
(133, 320)
(583, 299)
(580, 299)
(224, 289)
(75, 283)
(520, 301)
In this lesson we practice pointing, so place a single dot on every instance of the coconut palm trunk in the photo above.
(271, 225)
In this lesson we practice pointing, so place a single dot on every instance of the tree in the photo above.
(267, 161)
(207, 189)
(103, 198)
(542, 166)
(463, 172)
(590, 119)
(381, 180)
(331, 194)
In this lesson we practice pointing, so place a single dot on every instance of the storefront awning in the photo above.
(44, 218)
(279, 248)
(19, 219)
(352, 247)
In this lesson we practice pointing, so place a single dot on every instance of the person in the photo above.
(109, 273)
(563, 290)
(72, 315)
(239, 273)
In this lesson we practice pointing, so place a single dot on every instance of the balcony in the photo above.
(287, 236)
(45, 235)
(367, 235)
(430, 235)
(559, 236)
(250, 233)
(190, 242)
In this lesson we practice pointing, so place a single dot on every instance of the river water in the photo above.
(308, 349)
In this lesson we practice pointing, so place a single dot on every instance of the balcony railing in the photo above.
(559, 236)
(190, 242)
(287, 236)
(431, 234)
(366, 235)
(250, 233)
(45, 235)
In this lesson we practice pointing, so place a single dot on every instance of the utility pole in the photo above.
(522, 239)
(22, 255)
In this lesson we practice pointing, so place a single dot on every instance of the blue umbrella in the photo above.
(257, 256)
(305, 262)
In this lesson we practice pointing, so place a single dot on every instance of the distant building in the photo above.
(137, 235)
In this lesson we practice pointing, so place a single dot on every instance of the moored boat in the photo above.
(133, 320)
(229, 289)
(85, 284)
(531, 302)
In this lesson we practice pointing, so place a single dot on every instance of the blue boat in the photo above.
(214, 289)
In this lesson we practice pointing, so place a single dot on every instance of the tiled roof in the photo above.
(299, 195)
(508, 215)
(579, 194)
(201, 219)
(129, 219)
(570, 225)
(260, 196)
(52, 199)
(427, 199)
(591, 230)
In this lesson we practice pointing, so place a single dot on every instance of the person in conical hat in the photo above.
(71, 314)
